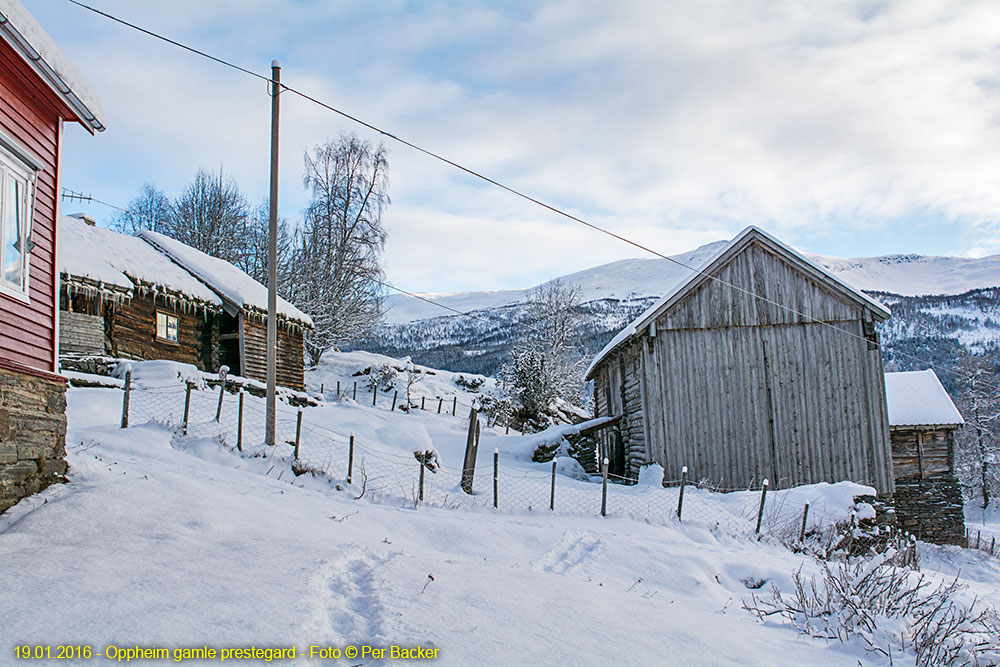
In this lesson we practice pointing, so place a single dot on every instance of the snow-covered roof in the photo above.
(20, 29)
(124, 261)
(916, 398)
(703, 266)
(234, 285)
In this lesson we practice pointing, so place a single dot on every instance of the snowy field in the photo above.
(186, 542)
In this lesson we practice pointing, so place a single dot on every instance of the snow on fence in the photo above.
(237, 421)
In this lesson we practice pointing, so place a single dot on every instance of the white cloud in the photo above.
(678, 123)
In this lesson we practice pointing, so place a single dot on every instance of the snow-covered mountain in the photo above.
(941, 305)
(905, 275)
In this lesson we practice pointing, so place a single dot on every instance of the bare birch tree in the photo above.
(151, 209)
(543, 366)
(977, 445)
(252, 255)
(211, 215)
(337, 257)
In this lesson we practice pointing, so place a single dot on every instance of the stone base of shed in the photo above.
(931, 508)
(32, 433)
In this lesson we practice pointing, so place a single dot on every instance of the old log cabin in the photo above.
(40, 90)
(243, 323)
(122, 297)
(149, 297)
(922, 423)
(759, 365)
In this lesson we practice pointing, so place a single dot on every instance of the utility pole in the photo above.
(272, 258)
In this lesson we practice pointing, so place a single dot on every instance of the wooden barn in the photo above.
(922, 423)
(716, 376)
(122, 297)
(243, 323)
(40, 90)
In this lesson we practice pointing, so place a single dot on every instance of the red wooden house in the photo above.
(39, 91)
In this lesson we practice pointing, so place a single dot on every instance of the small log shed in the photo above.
(922, 424)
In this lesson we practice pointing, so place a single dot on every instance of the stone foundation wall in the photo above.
(931, 508)
(32, 434)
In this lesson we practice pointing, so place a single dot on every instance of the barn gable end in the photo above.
(739, 389)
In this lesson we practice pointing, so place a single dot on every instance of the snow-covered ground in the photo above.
(185, 542)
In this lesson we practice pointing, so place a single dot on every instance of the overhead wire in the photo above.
(491, 181)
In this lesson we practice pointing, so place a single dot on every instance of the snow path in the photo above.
(148, 545)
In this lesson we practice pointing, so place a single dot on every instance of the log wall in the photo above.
(132, 332)
(290, 359)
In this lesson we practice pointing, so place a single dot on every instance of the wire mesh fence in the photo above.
(238, 421)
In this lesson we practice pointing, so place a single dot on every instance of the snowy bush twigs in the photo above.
(890, 609)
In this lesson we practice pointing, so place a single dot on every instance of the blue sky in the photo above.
(848, 128)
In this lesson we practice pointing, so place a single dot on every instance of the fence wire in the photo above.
(393, 477)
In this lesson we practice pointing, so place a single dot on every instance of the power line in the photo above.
(76, 196)
(486, 179)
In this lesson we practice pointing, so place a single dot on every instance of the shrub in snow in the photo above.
(471, 383)
(498, 406)
(382, 378)
(889, 610)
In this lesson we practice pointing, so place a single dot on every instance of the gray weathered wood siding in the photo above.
(80, 333)
(793, 404)
(290, 360)
(739, 390)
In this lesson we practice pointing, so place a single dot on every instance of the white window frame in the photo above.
(14, 165)
(166, 328)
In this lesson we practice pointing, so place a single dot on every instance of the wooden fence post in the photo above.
(187, 407)
(422, 399)
(760, 512)
(454, 405)
(338, 390)
(552, 493)
(395, 395)
(805, 515)
(471, 449)
(440, 401)
(423, 457)
(218, 409)
(125, 398)
(604, 489)
(506, 431)
(298, 432)
(350, 460)
(374, 396)
(239, 424)
(354, 397)
(496, 476)
(680, 496)
(322, 387)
